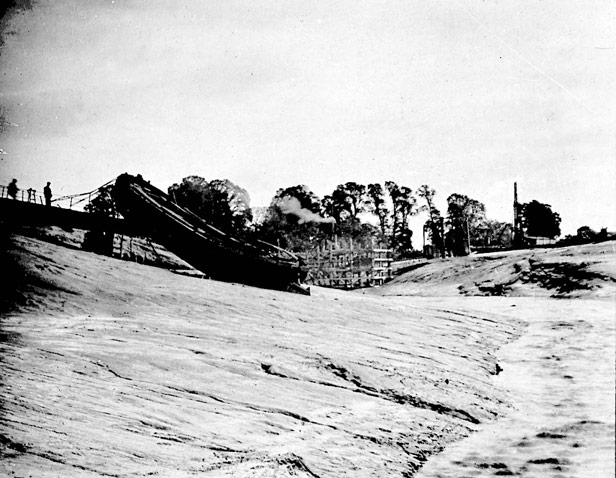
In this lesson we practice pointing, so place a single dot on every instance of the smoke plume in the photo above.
(291, 205)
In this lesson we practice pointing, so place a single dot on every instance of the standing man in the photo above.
(47, 194)
(12, 189)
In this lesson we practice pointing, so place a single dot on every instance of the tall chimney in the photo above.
(517, 218)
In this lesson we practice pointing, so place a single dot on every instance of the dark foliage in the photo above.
(464, 216)
(220, 202)
(538, 220)
(435, 224)
(102, 205)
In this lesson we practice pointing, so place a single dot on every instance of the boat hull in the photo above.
(216, 254)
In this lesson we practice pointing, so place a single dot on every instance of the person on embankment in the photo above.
(47, 194)
(12, 189)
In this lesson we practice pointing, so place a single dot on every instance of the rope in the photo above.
(72, 196)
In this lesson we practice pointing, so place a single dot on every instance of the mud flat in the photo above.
(112, 368)
(560, 379)
(559, 375)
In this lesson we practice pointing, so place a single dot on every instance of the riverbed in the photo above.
(560, 380)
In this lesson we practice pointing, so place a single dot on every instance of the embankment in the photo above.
(587, 271)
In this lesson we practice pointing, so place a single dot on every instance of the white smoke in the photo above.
(291, 205)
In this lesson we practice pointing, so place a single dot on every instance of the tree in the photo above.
(538, 220)
(103, 203)
(103, 206)
(331, 208)
(345, 204)
(586, 234)
(404, 205)
(220, 202)
(350, 198)
(378, 206)
(435, 222)
(464, 215)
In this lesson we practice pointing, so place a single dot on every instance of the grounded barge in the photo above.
(204, 247)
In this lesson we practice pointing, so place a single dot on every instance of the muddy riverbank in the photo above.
(112, 368)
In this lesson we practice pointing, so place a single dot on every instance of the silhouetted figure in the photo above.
(31, 195)
(12, 189)
(47, 194)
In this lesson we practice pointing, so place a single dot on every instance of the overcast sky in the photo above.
(467, 96)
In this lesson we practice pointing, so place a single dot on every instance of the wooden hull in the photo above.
(204, 247)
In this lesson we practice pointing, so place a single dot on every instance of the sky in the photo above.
(468, 96)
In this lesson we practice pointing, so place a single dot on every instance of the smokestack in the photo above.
(517, 218)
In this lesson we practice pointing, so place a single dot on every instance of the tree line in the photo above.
(372, 215)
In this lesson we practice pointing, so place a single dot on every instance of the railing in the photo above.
(68, 202)
(25, 195)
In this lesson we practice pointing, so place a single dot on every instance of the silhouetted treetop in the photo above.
(219, 202)
(538, 220)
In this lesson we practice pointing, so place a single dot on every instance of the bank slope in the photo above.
(587, 271)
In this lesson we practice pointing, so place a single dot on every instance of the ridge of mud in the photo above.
(564, 279)
(386, 394)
